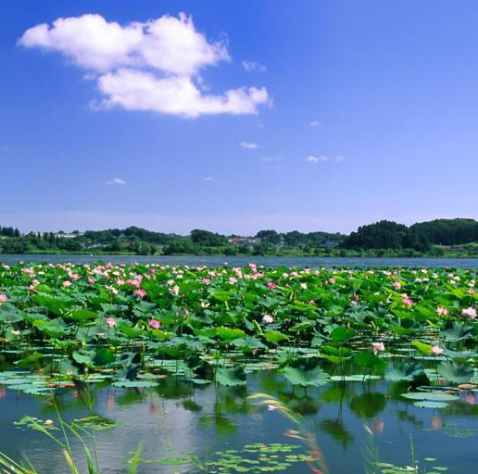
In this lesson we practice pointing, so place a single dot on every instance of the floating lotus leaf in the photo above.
(306, 373)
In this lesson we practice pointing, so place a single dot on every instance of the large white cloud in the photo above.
(152, 65)
(140, 90)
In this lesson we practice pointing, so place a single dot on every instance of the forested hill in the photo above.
(421, 236)
(448, 231)
(140, 241)
(384, 238)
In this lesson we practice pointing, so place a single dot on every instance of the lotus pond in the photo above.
(225, 370)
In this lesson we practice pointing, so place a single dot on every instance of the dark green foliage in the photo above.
(419, 237)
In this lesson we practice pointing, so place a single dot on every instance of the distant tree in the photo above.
(269, 236)
(448, 231)
(207, 238)
(382, 235)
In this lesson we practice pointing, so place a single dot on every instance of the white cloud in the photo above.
(270, 159)
(116, 181)
(252, 66)
(171, 45)
(323, 159)
(317, 159)
(139, 90)
(249, 145)
(5, 149)
(315, 123)
(209, 179)
(152, 65)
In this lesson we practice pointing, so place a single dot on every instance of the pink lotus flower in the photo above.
(111, 322)
(140, 293)
(331, 280)
(232, 280)
(436, 423)
(378, 347)
(267, 318)
(442, 311)
(397, 285)
(206, 281)
(175, 290)
(154, 324)
(436, 350)
(271, 285)
(469, 312)
(3, 298)
(407, 301)
(470, 399)
(91, 280)
(66, 284)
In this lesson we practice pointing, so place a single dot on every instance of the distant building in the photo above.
(244, 241)
(70, 235)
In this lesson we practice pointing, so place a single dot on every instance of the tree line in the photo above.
(420, 237)
(384, 238)
(136, 240)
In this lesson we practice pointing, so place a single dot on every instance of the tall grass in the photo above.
(9, 466)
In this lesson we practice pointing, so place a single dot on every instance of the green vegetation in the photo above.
(136, 241)
(439, 238)
(133, 324)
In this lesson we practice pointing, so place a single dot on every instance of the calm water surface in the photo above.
(301, 262)
(177, 418)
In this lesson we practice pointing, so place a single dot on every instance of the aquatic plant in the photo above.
(131, 325)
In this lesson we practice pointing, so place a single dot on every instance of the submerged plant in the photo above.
(301, 431)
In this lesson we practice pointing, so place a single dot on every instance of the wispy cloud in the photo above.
(324, 159)
(270, 159)
(148, 66)
(5, 148)
(315, 123)
(209, 179)
(317, 159)
(249, 145)
(115, 182)
(252, 66)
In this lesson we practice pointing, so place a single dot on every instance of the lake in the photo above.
(300, 262)
(183, 387)
(178, 419)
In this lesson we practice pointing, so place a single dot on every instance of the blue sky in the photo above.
(339, 113)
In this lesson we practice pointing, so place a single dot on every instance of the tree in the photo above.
(385, 235)
(269, 236)
(207, 238)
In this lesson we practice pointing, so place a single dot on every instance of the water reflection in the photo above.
(178, 419)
